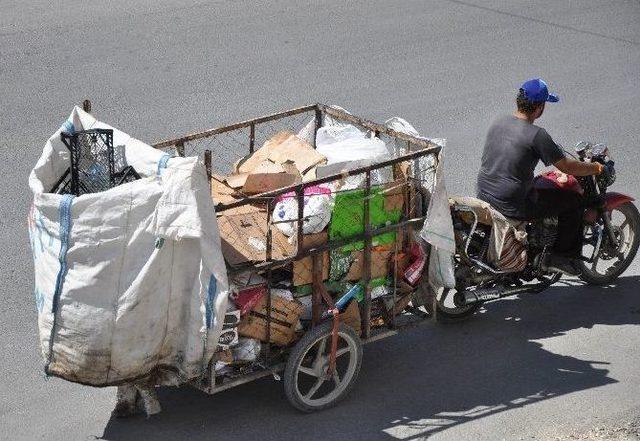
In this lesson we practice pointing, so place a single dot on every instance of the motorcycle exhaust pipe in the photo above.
(486, 294)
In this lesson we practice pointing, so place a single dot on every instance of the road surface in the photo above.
(538, 367)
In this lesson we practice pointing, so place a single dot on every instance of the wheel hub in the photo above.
(610, 250)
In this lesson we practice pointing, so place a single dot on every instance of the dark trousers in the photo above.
(568, 206)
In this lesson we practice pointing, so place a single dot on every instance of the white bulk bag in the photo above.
(129, 282)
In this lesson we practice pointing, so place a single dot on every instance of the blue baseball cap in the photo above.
(536, 90)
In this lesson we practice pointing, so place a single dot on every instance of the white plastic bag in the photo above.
(247, 350)
(438, 231)
(131, 281)
(346, 147)
(318, 205)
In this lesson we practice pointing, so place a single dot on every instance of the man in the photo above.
(513, 147)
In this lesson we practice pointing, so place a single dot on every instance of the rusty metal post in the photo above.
(86, 106)
(180, 149)
(366, 264)
(207, 164)
(252, 137)
(267, 355)
(300, 231)
(318, 286)
(318, 124)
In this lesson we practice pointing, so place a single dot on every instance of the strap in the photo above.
(162, 163)
(65, 230)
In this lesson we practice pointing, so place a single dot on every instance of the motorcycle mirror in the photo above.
(582, 146)
(600, 150)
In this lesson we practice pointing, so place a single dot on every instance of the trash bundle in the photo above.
(130, 281)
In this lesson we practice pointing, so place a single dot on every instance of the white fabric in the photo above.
(438, 231)
(438, 226)
(144, 268)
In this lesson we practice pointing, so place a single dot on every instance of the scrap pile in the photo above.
(267, 230)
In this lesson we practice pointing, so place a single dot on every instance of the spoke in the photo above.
(336, 377)
(321, 348)
(308, 371)
(624, 224)
(342, 351)
(314, 388)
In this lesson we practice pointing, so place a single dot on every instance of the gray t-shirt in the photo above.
(511, 152)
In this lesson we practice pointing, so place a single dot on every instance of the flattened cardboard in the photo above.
(283, 147)
(379, 264)
(298, 151)
(248, 163)
(303, 268)
(394, 195)
(262, 182)
(243, 234)
(236, 181)
(221, 193)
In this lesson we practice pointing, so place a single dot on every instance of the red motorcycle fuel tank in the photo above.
(554, 179)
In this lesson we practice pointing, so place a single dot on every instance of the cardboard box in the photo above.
(221, 191)
(243, 235)
(303, 268)
(284, 317)
(284, 147)
(351, 317)
(270, 176)
(379, 264)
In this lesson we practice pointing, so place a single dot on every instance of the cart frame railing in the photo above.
(416, 147)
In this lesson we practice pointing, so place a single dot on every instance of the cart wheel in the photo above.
(306, 382)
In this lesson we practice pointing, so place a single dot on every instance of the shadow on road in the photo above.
(419, 382)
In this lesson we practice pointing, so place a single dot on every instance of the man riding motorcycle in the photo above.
(513, 147)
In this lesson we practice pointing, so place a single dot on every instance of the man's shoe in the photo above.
(562, 264)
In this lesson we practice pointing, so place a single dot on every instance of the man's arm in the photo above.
(578, 168)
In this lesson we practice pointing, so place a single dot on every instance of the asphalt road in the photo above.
(537, 367)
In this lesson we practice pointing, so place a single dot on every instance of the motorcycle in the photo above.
(610, 243)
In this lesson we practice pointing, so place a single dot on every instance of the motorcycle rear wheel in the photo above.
(447, 312)
(625, 220)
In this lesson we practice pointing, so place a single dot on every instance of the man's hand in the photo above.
(579, 168)
(607, 170)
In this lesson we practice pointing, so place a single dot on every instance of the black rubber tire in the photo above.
(298, 352)
(443, 315)
(631, 211)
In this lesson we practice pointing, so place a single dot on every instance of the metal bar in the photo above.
(366, 263)
(300, 224)
(318, 286)
(269, 246)
(339, 114)
(262, 266)
(247, 378)
(380, 336)
(317, 125)
(252, 137)
(267, 355)
(240, 125)
(335, 177)
(280, 366)
(207, 164)
(180, 149)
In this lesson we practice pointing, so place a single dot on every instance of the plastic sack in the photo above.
(131, 281)
(318, 204)
(346, 147)
(438, 232)
(247, 350)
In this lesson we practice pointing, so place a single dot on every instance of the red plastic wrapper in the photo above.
(418, 260)
(249, 297)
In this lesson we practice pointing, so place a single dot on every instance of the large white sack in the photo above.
(129, 282)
